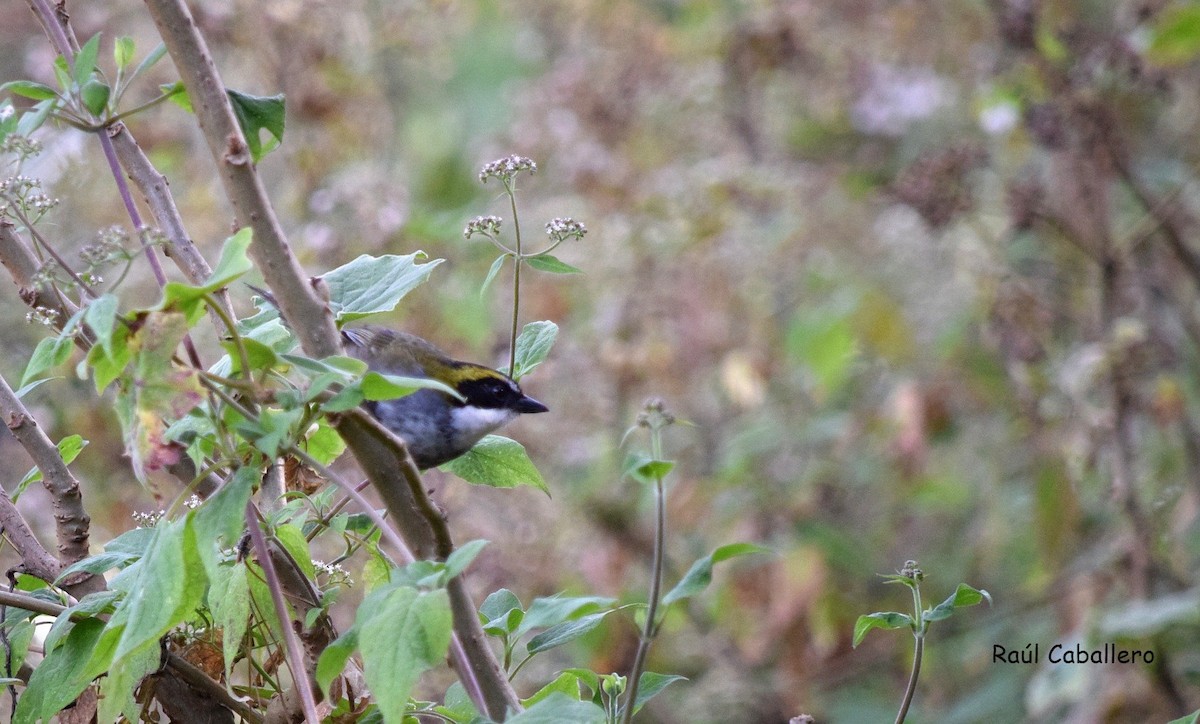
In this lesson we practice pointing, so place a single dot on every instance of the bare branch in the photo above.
(71, 520)
(35, 559)
(298, 301)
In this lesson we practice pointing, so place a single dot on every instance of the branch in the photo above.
(157, 193)
(301, 306)
(35, 559)
(23, 266)
(70, 519)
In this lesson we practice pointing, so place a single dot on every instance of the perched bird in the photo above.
(436, 426)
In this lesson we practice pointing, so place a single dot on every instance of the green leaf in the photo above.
(121, 680)
(558, 708)
(491, 275)
(97, 564)
(962, 597)
(169, 588)
(107, 365)
(566, 683)
(553, 610)
(645, 469)
(68, 449)
(700, 574)
(29, 89)
(501, 613)
(85, 60)
(291, 537)
(101, 317)
(462, 556)
(136, 541)
(370, 285)
(881, 619)
(229, 601)
(94, 95)
(565, 632)
(497, 462)
(31, 387)
(548, 263)
(177, 94)
(123, 51)
(325, 444)
(1193, 718)
(61, 676)
(256, 114)
(899, 578)
(377, 386)
(234, 261)
(334, 657)
(159, 390)
(36, 116)
(402, 633)
(49, 353)
(651, 684)
(533, 346)
(220, 520)
(148, 62)
(827, 345)
(1175, 38)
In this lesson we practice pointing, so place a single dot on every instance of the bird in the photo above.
(436, 426)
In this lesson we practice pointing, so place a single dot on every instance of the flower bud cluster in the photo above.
(486, 225)
(506, 168)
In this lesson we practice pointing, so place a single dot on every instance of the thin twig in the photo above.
(294, 655)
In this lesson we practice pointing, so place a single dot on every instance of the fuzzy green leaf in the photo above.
(29, 89)
(85, 60)
(565, 632)
(256, 114)
(552, 264)
(148, 62)
(377, 386)
(94, 95)
(533, 346)
(558, 708)
(49, 353)
(553, 610)
(169, 588)
(68, 449)
(401, 634)
(881, 619)
(101, 317)
(61, 676)
(497, 462)
(651, 684)
(700, 574)
(123, 51)
(491, 275)
(370, 285)
(962, 597)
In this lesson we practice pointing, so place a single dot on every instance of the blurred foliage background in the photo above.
(923, 275)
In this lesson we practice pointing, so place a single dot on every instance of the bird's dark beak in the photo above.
(527, 405)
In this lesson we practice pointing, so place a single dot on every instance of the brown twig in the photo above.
(35, 559)
(71, 520)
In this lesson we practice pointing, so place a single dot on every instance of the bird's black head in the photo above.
(491, 390)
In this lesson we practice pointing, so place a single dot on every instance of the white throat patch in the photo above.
(472, 423)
